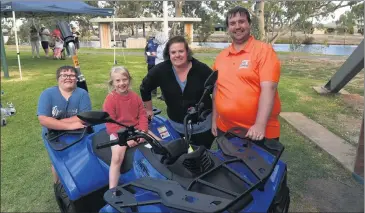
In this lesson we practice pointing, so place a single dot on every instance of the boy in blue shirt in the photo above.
(59, 105)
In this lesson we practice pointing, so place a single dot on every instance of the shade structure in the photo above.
(26, 9)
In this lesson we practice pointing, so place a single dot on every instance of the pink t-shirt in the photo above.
(126, 109)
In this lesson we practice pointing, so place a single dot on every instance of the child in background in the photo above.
(58, 48)
(126, 107)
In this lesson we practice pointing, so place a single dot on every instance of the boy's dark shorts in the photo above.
(44, 44)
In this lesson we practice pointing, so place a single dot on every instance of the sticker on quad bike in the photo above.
(163, 132)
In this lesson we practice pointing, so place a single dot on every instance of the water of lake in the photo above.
(311, 48)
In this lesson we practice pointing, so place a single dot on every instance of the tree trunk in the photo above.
(178, 12)
(273, 39)
(259, 11)
(132, 28)
(144, 29)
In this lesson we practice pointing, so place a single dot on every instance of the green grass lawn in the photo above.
(26, 183)
(141, 50)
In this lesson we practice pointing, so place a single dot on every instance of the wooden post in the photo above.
(188, 30)
(144, 30)
(104, 35)
(359, 160)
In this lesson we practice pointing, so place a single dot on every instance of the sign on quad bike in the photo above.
(163, 176)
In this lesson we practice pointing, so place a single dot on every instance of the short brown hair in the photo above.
(241, 11)
(65, 68)
(173, 40)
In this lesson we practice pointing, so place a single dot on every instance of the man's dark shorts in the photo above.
(44, 44)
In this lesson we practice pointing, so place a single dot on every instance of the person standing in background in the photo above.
(161, 39)
(150, 56)
(76, 35)
(44, 33)
(34, 41)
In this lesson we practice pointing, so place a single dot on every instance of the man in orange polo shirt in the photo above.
(246, 90)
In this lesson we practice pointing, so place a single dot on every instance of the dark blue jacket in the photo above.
(151, 47)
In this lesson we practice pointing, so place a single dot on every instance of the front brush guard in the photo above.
(174, 196)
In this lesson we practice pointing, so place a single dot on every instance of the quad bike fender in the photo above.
(78, 169)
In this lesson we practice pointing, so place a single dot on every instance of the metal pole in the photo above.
(4, 63)
(114, 43)
(352, 66)
(165, 23)
(17, 47)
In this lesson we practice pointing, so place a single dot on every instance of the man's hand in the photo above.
(214, 128)
(132, 143)
(256, 132)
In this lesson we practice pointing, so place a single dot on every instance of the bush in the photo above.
(343, 30)
(11, 39)
(308, 40)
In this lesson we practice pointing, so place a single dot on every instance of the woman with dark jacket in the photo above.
(181, 79)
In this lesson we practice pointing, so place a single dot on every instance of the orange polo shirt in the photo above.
(238, 85)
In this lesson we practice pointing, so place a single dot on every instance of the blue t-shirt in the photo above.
(151, 47)
(52, 104)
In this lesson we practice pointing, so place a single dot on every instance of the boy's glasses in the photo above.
(65, 76)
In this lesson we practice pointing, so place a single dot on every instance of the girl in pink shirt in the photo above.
(126, 107)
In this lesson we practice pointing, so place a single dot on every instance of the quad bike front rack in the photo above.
(195, 197)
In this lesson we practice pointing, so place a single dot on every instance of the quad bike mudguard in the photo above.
(77, 167)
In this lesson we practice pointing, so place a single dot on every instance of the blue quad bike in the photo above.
(170, 175)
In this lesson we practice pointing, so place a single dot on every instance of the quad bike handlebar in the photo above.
(131, 133)
(195, 114)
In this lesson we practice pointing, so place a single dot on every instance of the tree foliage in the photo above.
(270, 19)
(358, 10)
(346, 22)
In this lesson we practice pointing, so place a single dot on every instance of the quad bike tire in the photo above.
(63, 201)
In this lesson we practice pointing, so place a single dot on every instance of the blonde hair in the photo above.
(123, 71)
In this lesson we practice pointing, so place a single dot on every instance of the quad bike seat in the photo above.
(105, 154)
